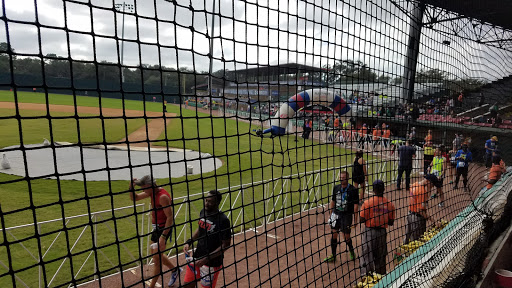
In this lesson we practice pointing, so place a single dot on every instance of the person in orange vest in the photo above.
(428, 138)
(363, 135)
(495, 172)
(336, 127)
(386, 135)
(418, 203)
(376, 133)
(377, 213)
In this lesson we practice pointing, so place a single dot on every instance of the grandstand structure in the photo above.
(230, 107)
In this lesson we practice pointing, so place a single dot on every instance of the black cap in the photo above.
(378, 186)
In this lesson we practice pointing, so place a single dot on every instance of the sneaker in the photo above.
(352, 255)
(330, 259)
(451, 182)
(174, 277)
(441, 204)
(466, 189)
(433, 196)
(455, 187)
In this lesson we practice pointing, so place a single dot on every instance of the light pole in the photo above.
(122, 7)
(211, 54)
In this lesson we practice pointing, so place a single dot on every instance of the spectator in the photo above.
(376, 213)
(415, 113)
(457, 142)
(307, 128)
(162, 217)
(495, 172)
(493, 111)
(418, 216)
(386, 135)
(336, 126)
(376, 133)
(213, 236)
(497, 121)
(405, 153)
(428, 155)
(412, 136)
(429, 136)
(363, 135)
(438, 168)
(359, 173)
(343, 206)
(490, 147)
(482, 100)
(496, 153)
(463, 158)
(327, 121)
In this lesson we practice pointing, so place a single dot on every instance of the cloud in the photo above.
(247, 33)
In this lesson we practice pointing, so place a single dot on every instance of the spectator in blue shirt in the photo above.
(490, 146)
(463, 157)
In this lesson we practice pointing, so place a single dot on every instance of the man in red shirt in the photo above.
(163, 220)
(418, 203)
(376, 213)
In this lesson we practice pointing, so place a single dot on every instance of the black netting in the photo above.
(215, 136)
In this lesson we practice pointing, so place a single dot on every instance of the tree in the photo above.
(431, 76)
(383, 78)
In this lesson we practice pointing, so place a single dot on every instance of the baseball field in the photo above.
(246, 159)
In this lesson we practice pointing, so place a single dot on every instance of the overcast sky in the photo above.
(247, 32)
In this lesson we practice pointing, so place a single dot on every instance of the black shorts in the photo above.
(358, 179)
(157, 232)
(438, 182)
(342, 223)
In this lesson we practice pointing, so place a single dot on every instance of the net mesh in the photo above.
(268, 103)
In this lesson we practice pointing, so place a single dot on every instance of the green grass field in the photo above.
(246, 159)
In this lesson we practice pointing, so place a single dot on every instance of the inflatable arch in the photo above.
(319, 96)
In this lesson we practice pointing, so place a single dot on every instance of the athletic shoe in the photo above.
(466, 189)
(174, 276)
(330, 259)
(433, 196)
(455, 187)
(352, 255)
(451, 182)
(441, 204)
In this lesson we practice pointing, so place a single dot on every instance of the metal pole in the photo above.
(211, 52)
(122, 47)
(40, 258)
(413, 46)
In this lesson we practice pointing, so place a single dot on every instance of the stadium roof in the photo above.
(281, 69)
(495, 12)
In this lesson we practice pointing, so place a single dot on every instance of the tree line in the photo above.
(54, 66)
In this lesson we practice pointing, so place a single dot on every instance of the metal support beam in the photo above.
(413, 46)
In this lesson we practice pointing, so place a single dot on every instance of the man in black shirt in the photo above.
(406, 154)
(344, 204)
(213, 237)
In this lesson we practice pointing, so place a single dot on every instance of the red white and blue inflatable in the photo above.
(320, 96)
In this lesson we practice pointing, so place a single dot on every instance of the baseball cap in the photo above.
(378, 183)
(378, 186)
(145, 180)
